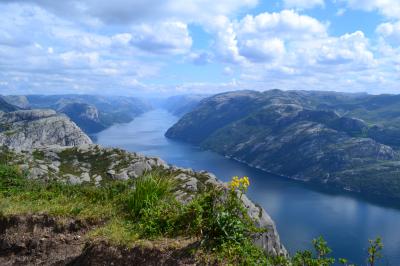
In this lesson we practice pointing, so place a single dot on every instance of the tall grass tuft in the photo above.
(148, 190)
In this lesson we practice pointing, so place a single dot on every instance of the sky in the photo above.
(146, 47)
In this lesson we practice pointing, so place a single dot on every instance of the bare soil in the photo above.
(43, 240)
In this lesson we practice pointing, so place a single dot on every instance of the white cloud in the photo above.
(286, 24)
(389, 8)
(83, 46)
(262, 50)
(165, 37)
(349, 48)
(390, 32)
(262, 38)
(303, 4)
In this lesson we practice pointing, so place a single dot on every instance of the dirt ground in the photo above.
(43, 240)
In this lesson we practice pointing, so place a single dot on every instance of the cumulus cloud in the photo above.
(389, 8)
(262, 50)
(303, 4)
(285, 24)
(263, 38)
(349, 48)
(98, 46)
(38, 50)
(390, 32)
(165, 37)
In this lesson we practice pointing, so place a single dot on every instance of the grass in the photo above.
(127, 212)
(149, 190)
(144, 211)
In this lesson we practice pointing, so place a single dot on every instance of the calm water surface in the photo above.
(301, 213)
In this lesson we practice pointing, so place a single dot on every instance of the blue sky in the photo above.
(139, 47)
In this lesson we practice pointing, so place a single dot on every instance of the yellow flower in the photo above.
(239, 183)
(245, 181)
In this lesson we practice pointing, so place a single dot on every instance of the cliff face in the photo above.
(286, 133)
(84, 115)
(93, 164)
(17, 100)
(92, 113)
(5, 106)
(35, 128)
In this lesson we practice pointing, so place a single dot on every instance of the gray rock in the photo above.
(28, 129)
(37, 173)
(139, 168)
(122, 176)
(97, 179)
(268, 241)
(189, 183)
(85, 177)
(72, 179)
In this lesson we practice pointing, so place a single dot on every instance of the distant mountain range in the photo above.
(182, 104)
(92, 113)
(349, 141)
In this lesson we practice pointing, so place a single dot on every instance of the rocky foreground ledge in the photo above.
(95, 164)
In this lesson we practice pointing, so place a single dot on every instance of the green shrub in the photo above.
(11, 178)
(148, 190)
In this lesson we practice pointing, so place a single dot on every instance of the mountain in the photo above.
(26, 129)
(6, 106)
(17, 100)
(93, 112)
(182, 104)
(309, 136)
(84, 115)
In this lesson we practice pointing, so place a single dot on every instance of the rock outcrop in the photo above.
(27, 129)
(94, 164)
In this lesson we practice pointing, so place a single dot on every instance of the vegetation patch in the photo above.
(145, 211)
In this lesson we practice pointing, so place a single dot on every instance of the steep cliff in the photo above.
(86, 116)
(34, 128)
(5, 106)
(92, 113)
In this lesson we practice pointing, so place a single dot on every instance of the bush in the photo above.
(148, 190)
(11, 178)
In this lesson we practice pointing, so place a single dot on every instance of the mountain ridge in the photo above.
(289, 134)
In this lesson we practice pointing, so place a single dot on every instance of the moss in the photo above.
(6, 155)
(38, 155)
(5, 126)
(99, 161)
(10, 133)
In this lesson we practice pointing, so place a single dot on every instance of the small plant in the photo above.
(306, 258)
(148, 190)
(11, 178)
(239, 184)
(374, 250)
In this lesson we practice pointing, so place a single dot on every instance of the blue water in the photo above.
(301, 212)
